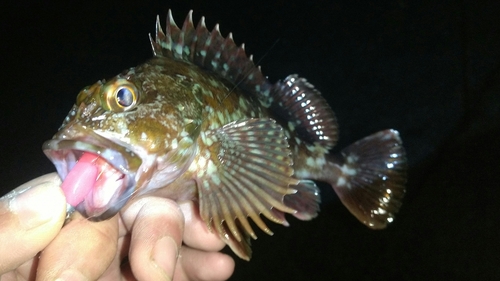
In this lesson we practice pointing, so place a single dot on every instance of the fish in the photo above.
(199, 121)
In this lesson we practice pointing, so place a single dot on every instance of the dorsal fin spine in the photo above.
(212, 51)
(220, 55)
(189, 37)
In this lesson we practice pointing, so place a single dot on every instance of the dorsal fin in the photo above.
(293, 102)
(211, 51)
(308, 114)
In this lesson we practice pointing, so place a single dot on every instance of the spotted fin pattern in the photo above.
(295, 103)
(305, 201)
(211, 51)
(307, 113)
(252, 174)
(373, 177)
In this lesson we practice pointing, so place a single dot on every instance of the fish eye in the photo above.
(119, 95)
(124, 97)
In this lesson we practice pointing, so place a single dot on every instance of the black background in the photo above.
(430, 70)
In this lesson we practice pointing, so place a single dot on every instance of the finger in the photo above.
(196, 233)
(119, 268)
(198, 265)
(30, 217)
(83, 250)
(157, 225)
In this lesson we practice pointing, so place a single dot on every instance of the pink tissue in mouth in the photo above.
(81, 179)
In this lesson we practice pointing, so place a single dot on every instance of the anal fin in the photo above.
(371, 178)
(305, 201)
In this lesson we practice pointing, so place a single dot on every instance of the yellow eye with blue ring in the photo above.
(119, 95)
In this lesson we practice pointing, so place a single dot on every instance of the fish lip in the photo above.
(65, 153)
(69, 144)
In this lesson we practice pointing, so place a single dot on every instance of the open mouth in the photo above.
(97, 180)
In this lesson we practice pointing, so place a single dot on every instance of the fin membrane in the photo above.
(295, 103)
(372, 180)
(211, 51)
(305, 201)
(301, 108)
(249, 174)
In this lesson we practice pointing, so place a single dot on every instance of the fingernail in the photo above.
(165, 254)
(71, 275)
(34, 206)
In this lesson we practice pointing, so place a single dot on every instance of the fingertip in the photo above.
(200, 265)
(225, 264)
(157, 225)
(31, 216)
(164, 255)
(196, 233)
(37, 203)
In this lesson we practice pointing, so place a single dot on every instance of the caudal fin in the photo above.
(372, 177)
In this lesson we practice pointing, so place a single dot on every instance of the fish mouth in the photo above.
(116, 170)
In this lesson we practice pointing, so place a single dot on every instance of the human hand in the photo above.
(86, 250)
(30, 217)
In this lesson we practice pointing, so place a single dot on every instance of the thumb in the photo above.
(31, 216)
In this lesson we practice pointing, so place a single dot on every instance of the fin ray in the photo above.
(305, 201)
(211, 51)
(296, 102)
(250, 175)
(372, 177)
(301, 107)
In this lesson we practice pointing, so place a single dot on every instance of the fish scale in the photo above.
(199, 121)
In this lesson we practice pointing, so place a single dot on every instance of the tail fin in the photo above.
(372, 178)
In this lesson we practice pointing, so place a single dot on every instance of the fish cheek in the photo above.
(150, 135)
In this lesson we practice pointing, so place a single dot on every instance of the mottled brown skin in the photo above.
(194, 101)
(200, 122)
(220, 103)
(178, 101)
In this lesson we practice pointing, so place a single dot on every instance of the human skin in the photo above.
(152, 238)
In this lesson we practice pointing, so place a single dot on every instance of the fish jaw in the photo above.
(117, 170)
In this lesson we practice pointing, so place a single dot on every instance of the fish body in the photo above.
(200, 122)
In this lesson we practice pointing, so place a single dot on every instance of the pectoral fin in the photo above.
(249, 173)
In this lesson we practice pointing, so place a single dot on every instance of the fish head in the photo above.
(140, 130)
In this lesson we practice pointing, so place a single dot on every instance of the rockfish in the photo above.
(201, 122)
